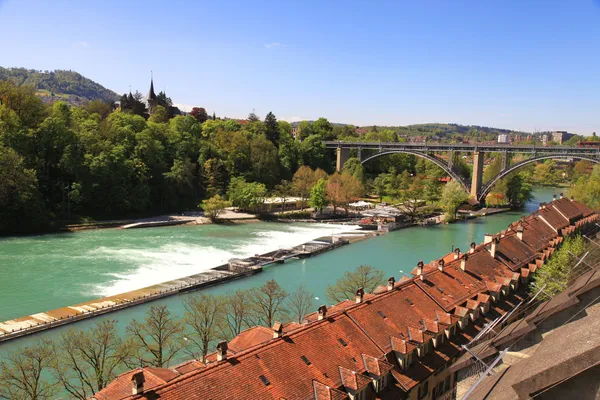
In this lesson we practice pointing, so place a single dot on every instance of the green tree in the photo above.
(380, 186)
(313, 154)
(559, 271)
(302, 183)
(304, 129)
(284, 191)
(519, 190)
(246, 195)
(318, 196)
(354, 167)
(587, 189)
(215, 206)
(159, 115)
(365, 277)
(323, 129)
(21, 207)
(272, 128)
(453, 195)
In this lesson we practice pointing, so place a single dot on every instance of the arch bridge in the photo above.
(431, 151)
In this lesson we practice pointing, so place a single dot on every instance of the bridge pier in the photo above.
(477, 179)
(342, 156)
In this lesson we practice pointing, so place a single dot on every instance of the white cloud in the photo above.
(274, 45)
(81, 45)
(293, 119)
(184, 107)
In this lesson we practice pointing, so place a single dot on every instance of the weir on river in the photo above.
(43, 272)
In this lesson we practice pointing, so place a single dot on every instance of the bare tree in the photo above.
(238, 313)
(86, 361)
(158, 339)
(22, 373)
(268, 303)
(203, 318)
(365, 277)
(299, 303)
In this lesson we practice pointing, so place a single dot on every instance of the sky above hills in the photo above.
(525, 65)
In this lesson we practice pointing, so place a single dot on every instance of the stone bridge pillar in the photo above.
(477, 179)
(342, 157)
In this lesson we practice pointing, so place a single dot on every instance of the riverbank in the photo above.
(55, 270)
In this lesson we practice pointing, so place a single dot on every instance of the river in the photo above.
(39, 273)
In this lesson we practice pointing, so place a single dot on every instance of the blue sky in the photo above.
(528, 65)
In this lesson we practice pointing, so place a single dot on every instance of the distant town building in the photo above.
(561, 136)
(544, 139)
(295, 133)
(504, 138)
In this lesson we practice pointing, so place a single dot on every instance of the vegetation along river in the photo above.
(39, 273)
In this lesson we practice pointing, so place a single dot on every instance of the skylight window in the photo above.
(342, 342)
(306, 360)
(381, 314)
(264, 380)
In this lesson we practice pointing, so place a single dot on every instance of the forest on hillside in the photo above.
(59, 82)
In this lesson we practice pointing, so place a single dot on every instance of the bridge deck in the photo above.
(468, 148)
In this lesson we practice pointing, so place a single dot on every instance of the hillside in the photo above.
(63, 84)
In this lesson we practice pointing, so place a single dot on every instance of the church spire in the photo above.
(151, 94)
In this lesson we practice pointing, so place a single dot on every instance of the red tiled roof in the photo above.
(353, 341)
(376, 366)
(249, 338)
(450, 287)
(391, 313)
(324, 392)
(553, 218)
(189, 366)
(352, 380)
(514, 252)
(120, 388)
(567, 208)
(401, 345)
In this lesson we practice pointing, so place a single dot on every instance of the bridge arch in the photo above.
(488, 186)
(440, 163)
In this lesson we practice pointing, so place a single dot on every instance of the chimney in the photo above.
(487, 238)
(391, 283)
(572, 198)
(472, 248)
(322, 312)
(359, 295)
(493, 247)
(420, 267)
(463, 262)
(520, 232)
(553, 197)
(457, 253)
(541, 206)
(277, 330)
(222, 350)
(441, 264)
(137, 383)
(561, 196)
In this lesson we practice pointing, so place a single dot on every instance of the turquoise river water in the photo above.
(39, 273)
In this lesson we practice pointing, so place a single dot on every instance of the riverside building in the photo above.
(399, 342)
